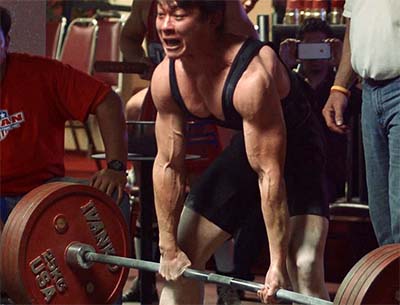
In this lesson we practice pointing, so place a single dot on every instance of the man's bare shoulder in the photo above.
(251, 90)
(268, 58)
(261, 70)
(257, 84)
(160, 88)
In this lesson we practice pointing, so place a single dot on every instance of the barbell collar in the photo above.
(84, 256)
(75, 255)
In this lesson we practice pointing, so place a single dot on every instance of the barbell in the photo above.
(68, 244)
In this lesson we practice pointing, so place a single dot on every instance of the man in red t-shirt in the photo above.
(38, 95)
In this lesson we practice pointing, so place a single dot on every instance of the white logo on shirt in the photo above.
(9, 122)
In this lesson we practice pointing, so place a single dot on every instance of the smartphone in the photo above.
(308, 51)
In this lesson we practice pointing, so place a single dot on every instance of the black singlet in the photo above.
(233, 119)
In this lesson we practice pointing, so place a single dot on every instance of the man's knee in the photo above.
(307, 261)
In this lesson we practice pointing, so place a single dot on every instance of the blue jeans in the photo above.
(381, 137)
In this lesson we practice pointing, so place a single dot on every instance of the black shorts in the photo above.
(228, 190)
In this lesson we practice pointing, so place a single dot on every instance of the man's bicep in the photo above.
(264, 129)
(265, 145)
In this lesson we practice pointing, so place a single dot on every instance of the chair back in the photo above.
(80, 44)
(108, 49)
(54, 36)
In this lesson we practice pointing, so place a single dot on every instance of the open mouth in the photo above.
(172, 42)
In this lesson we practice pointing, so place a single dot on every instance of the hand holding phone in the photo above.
(314, 51)
(336, 50)
(288, 51)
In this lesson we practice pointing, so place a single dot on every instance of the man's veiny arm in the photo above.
(265, 140)
(169, 167)
(134, 31)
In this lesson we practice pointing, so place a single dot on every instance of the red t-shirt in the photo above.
(37, 96)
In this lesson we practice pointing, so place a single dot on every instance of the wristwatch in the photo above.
(116, 165)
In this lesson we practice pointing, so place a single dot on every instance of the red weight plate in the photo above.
(380, 281)
(11, 229)
(351, 278)
(366, 272)
(37, 234)
(373, 280)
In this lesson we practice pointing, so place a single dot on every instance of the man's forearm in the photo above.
(169, 187)
(112, 125)
(276, 218)
(345, 75)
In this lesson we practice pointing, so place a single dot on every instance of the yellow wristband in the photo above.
(342, 90)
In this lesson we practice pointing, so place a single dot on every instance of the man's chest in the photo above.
(203, 96)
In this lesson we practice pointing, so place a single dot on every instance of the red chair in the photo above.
(108, 49)
(78, 51)
(80, 44)
(54, 36)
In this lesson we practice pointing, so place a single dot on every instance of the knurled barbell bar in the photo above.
(56, 233)
(83, 256)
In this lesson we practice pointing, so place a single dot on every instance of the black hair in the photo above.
(207, 7)
(5, 20)
(313, 24)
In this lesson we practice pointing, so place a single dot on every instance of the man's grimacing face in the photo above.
(181, 30)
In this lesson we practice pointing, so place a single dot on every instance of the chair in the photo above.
(54, 35)
(108, 49)
(80, 44)
(78, 51)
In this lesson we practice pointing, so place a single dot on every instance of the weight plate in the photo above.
(39, 230)
(373, 280)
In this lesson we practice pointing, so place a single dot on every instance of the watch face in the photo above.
(116, 165)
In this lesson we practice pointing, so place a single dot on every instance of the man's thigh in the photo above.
(228, 190)
(305, 170)
(198, 237)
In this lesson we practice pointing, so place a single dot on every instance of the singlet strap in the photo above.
(248, 50)
(176, 94)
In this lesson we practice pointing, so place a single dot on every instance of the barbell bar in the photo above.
(38, 263)
(84, 256)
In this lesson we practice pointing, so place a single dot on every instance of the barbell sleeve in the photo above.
(84, 256)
